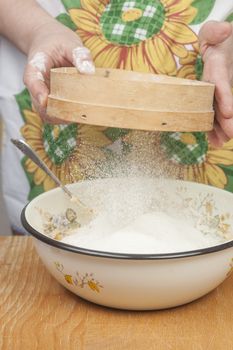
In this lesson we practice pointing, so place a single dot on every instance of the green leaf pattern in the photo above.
(65, 19)
(71, 4)
(204, 8)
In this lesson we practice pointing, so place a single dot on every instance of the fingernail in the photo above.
(82, 60)
(86, 67)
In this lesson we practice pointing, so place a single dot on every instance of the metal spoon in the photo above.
(29, 152)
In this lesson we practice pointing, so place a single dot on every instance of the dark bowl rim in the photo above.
(102, 254)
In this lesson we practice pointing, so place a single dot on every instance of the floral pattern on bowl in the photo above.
(57, 226)
(79, 280)
(205, 214)
(200, 210)
(231, 268)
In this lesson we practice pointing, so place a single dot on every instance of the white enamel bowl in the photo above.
(137, 282)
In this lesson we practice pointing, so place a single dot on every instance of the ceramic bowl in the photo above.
(135, 281)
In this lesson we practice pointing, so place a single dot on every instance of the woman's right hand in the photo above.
(53, 46)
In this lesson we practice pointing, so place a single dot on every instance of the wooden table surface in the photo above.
(38, 313)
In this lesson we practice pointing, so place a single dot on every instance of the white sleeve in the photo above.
(54, 7)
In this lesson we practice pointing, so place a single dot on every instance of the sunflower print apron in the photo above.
(153, 36)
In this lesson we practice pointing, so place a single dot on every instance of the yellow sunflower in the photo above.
(151, 158)
(81, 162)
(144, 36)
(187, 66)
(209, 171)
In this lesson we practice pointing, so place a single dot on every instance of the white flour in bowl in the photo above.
(151, 233)
(139, 211)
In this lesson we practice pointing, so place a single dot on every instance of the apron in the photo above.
(154, 36)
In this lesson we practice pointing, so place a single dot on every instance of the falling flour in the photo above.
(135, 217)
(151, 233)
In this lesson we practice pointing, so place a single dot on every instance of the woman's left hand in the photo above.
(216, 48)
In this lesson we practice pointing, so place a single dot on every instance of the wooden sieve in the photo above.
(126, 99)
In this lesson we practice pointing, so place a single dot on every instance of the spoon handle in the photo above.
(28, 151)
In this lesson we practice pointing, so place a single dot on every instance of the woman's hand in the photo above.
(216, 47)
(47, 44)
(54, 45)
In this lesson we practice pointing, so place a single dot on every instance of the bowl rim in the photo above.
(112, 255)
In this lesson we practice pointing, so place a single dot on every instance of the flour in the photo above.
(150, 233)
(82, 60)
(38, 61)
(139, 215)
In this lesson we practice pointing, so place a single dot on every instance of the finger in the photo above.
(213, 33)
(53, 120)
(82, 60)
(217, 137)
(224, 99)
(223, 90)
(35, 76)
(223, 138)
(44, 116)
(213, 139)
(226, 125)
(220, 77)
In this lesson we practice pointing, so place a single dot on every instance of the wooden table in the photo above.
(38, 313)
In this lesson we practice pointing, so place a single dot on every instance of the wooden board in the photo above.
(117, 98)
(37, 313)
